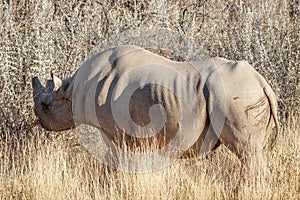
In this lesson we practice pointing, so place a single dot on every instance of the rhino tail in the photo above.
(273, 104)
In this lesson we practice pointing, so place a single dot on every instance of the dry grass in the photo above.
(55, 170)
(38, 36)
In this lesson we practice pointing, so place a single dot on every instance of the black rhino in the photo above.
(231, 104)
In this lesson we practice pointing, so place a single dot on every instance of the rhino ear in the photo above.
(57, 82)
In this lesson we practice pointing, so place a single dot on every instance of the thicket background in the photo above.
(39, 36)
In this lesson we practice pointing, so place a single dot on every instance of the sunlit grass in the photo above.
(56, 170)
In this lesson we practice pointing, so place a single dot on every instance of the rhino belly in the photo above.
(140, 103)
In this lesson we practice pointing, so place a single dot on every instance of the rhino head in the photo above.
(53, 103)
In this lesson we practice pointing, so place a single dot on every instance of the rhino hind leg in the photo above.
(252, 157)
(246, 136)
(254, 165)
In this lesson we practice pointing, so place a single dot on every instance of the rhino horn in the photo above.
(57, 81)
(37, 86)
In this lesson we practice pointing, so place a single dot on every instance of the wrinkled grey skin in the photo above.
(249, 106)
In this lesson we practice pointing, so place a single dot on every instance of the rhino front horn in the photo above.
(37, 85)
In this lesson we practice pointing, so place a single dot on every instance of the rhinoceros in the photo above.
(127, 88)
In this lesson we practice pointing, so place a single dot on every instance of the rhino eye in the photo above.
(45, 106)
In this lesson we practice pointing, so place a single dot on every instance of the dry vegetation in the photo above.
(37, 36)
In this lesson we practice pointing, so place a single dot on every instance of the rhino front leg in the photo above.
(111, 159)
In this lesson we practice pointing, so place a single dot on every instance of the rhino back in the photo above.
(142, 78)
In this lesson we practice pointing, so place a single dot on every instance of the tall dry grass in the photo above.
(39, 36)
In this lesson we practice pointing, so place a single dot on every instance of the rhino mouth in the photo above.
(30, 126)
(36, 122)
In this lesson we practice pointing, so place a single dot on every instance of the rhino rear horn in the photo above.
(57, 82)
